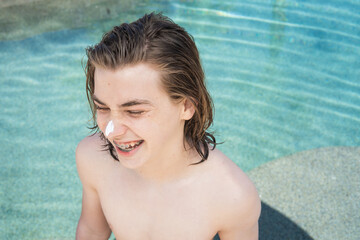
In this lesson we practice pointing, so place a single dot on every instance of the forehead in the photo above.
(134, 81)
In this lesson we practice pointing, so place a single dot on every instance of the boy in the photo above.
(152, 170)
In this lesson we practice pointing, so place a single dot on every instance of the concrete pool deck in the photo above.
(313, 194)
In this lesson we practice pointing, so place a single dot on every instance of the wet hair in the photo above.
(156, 40)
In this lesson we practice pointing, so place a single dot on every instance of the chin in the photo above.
(131, 159)
(132, 164)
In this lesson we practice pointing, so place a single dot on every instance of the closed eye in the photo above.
(101, 108)
(132, 112)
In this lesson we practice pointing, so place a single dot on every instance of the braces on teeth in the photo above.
(128, 147)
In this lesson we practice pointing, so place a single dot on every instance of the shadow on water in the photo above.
(273, 225)
(277, 30)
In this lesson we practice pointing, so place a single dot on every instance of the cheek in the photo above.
(166, 124)
(101, 121)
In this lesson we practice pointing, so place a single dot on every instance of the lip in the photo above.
(130, 153)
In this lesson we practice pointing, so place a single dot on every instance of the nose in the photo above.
(115, 128)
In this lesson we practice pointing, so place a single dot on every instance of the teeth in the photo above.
(129, 146)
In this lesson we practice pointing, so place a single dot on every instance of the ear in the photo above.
(188, 109)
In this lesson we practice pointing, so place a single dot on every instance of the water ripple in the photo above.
(256, 19)
(317, 74)
(289, 96)
(246, 30)
(249, 43)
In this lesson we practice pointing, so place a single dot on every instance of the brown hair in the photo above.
(157, 40)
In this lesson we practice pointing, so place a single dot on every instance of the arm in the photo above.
(92, 223)
(242, 215)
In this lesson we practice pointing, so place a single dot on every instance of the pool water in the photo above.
(284, 76)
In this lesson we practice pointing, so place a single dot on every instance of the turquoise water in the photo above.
(284, 76)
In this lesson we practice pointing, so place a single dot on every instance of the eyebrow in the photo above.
(126, 104)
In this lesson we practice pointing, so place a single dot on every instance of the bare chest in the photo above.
(179, 212)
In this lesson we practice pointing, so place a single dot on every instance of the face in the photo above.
(137, 116)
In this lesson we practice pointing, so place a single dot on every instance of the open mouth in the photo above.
(129, 146)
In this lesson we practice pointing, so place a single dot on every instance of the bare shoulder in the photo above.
(90, 158)
(235, 180)
(239, 204)
(89, 145)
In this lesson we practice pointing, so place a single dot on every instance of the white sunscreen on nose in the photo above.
(109, 128)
